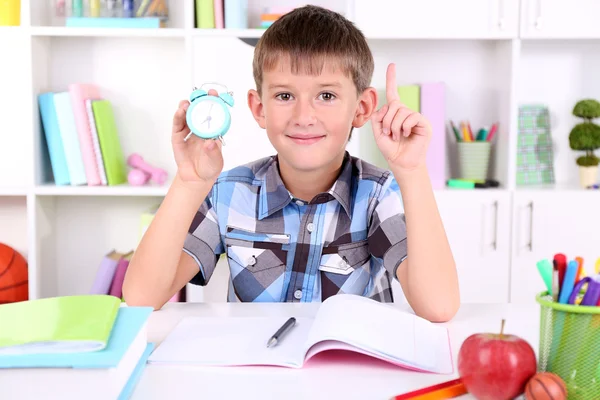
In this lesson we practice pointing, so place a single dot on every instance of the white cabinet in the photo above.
(547, 222)
(437, 18)
(477, 223)
(560, 19)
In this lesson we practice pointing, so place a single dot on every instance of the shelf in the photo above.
(240, 33)
(13, 191)
(107, 32)
(120, 190)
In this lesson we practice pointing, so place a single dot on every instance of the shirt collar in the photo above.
(274, 195)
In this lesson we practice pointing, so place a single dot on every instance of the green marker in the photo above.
(545, 268)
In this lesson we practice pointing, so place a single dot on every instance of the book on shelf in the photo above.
(82, 138)
(73, 347)
(352, 324)
(113, 266)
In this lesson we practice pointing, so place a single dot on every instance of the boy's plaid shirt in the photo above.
(281, 249)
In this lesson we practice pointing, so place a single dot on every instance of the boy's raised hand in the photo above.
(401, 134)
(198, 160)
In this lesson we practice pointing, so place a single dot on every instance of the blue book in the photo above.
(51, 130)
(128, 326)
(111, 373)
(137, 373)
(70, 139)
(107, 22)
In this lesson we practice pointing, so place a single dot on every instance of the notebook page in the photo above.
(383, 331)
(232, 341)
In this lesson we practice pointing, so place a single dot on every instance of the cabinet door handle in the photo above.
(495, 242)
(539, 20)
(501, 18)
(530, 245)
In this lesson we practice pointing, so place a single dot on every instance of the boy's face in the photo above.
(307, 117)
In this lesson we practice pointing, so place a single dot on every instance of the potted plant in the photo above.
(585, 136)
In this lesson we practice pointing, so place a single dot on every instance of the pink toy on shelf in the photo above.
(137, 177)
(136, 161)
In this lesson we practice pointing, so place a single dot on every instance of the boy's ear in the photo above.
(367, 102)
(256, 107)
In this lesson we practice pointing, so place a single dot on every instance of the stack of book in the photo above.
(113, 266)
(81, 137)
(72, 347)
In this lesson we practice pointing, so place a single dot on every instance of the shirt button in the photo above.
(298, 294)
(300, 202)
(310, 227)
(252, 261)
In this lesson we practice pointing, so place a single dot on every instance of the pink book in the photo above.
(80, 92)
(433, 107)
(219, 18)
(116, 288)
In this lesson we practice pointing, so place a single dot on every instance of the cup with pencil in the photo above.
(570, 324)
(473, 150)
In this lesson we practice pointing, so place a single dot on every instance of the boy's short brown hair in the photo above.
(309, 36)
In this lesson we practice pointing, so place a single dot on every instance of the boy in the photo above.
(311, 221)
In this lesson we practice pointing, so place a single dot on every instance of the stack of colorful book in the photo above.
(72, 347)
(82, 137)
(113, 266)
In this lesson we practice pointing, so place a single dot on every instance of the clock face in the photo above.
(208, 116)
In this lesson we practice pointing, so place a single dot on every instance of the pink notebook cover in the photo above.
(219, 17)
(79, 93)
(433, 107)
(116, 288)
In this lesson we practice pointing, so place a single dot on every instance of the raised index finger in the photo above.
(391, 88)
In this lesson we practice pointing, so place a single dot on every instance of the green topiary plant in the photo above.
(585, 136)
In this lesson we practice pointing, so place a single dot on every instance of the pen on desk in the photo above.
(277, 336)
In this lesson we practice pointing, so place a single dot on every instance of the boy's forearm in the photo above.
(151, 272)
(430, 276)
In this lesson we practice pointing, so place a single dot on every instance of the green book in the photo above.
(205, 14)
(110, 145)
(410, 95)
(66, 324)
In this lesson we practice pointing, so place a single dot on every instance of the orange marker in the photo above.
(580, 270)
(446, 390)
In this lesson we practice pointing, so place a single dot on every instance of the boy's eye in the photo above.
(326, 96)
(284, 96)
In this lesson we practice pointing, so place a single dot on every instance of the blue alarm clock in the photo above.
(208, 116)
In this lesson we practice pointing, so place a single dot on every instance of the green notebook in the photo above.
(110, 145)
(57, 324)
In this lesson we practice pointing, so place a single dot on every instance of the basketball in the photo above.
(14, 283)
(545, 386)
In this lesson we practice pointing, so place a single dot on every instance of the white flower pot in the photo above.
(588, 175)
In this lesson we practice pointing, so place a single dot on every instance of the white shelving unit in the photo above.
(493, 55)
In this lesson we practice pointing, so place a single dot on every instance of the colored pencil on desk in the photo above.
(446, 390)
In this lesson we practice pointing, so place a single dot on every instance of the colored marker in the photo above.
(545, 269)
(568, 282)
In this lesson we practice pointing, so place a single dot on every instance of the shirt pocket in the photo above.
(257, 262)
(340, 262)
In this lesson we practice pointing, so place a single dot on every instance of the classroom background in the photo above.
(506, 86)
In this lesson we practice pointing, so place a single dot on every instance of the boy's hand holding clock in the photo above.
(196, 125)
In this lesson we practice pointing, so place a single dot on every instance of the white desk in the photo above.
(373, 382)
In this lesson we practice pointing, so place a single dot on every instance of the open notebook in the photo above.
(343, 322)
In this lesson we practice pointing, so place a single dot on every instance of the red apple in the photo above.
(496, 366)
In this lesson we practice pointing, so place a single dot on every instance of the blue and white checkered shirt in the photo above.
(350, 239)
